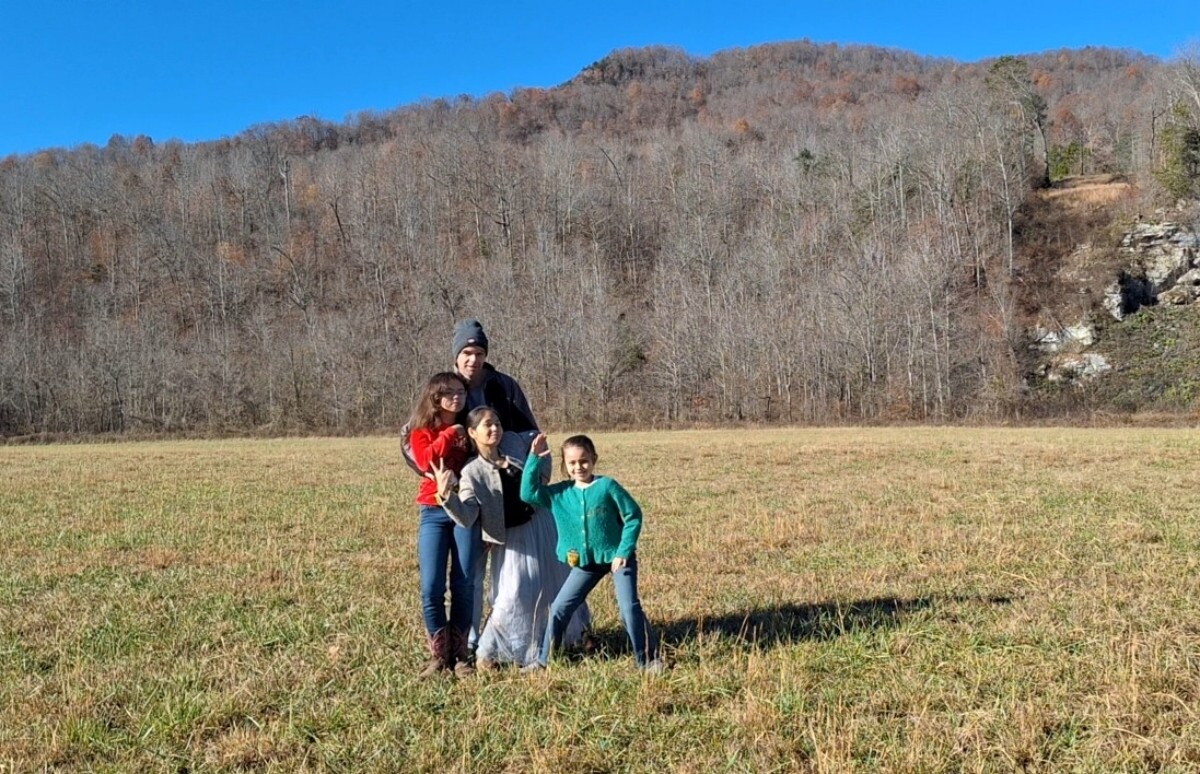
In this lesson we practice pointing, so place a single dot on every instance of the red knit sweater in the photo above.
(435, 444)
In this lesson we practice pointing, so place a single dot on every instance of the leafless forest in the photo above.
(794, 232)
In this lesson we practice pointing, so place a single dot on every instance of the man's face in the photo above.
(470, 364)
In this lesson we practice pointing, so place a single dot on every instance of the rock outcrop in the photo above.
(1160, 265)
(1160, 269)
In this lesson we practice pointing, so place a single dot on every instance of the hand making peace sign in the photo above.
(445, 478)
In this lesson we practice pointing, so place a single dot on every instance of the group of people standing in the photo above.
(485, 493)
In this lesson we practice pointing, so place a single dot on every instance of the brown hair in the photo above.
(425, 412)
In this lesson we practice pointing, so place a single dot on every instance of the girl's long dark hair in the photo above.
(425, 412)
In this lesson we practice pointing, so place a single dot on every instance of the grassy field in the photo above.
(831, 600)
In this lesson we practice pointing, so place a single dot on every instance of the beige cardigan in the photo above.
(480, 495)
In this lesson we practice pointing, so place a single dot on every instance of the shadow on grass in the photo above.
(773, 625)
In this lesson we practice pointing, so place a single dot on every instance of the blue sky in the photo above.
(79, 72)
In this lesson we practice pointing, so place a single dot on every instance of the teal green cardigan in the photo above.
(602, 521)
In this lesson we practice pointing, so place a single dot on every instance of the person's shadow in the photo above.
(770, 626)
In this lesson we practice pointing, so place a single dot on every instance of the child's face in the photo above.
(452, 399)
(487, 433)
(580, 465)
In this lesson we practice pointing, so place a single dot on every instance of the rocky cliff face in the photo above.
(1160, 268)
(1159, 264)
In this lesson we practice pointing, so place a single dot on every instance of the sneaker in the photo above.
(486, 665)
(654, 667)
(535, 666)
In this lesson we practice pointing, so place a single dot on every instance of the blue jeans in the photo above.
(574, 591)
(440, 542)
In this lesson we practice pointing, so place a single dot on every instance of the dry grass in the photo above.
(832, 600)
(1089, 191)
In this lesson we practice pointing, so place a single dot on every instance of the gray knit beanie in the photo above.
(468, 333)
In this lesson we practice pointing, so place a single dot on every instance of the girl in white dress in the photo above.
(525, 571)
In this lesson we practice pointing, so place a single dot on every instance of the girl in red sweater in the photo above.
(443, 547)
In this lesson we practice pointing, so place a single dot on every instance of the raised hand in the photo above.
(540, 446)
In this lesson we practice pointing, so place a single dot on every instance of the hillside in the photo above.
(795, 232)
(1071, 236)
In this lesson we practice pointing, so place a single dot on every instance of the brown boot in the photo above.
(460, 653)
(439, 648)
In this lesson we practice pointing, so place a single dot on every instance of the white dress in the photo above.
(526, 575)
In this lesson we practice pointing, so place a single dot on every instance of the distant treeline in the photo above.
(793, 232)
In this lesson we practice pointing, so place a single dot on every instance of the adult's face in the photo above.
(470, 364)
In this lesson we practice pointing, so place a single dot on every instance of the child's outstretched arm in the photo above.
(533, 489)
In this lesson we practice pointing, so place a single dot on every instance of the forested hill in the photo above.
(792, 232)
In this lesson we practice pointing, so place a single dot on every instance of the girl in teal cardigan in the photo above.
(598, 526)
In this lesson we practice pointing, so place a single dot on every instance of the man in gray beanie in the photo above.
(468, 333)
(485, 385)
